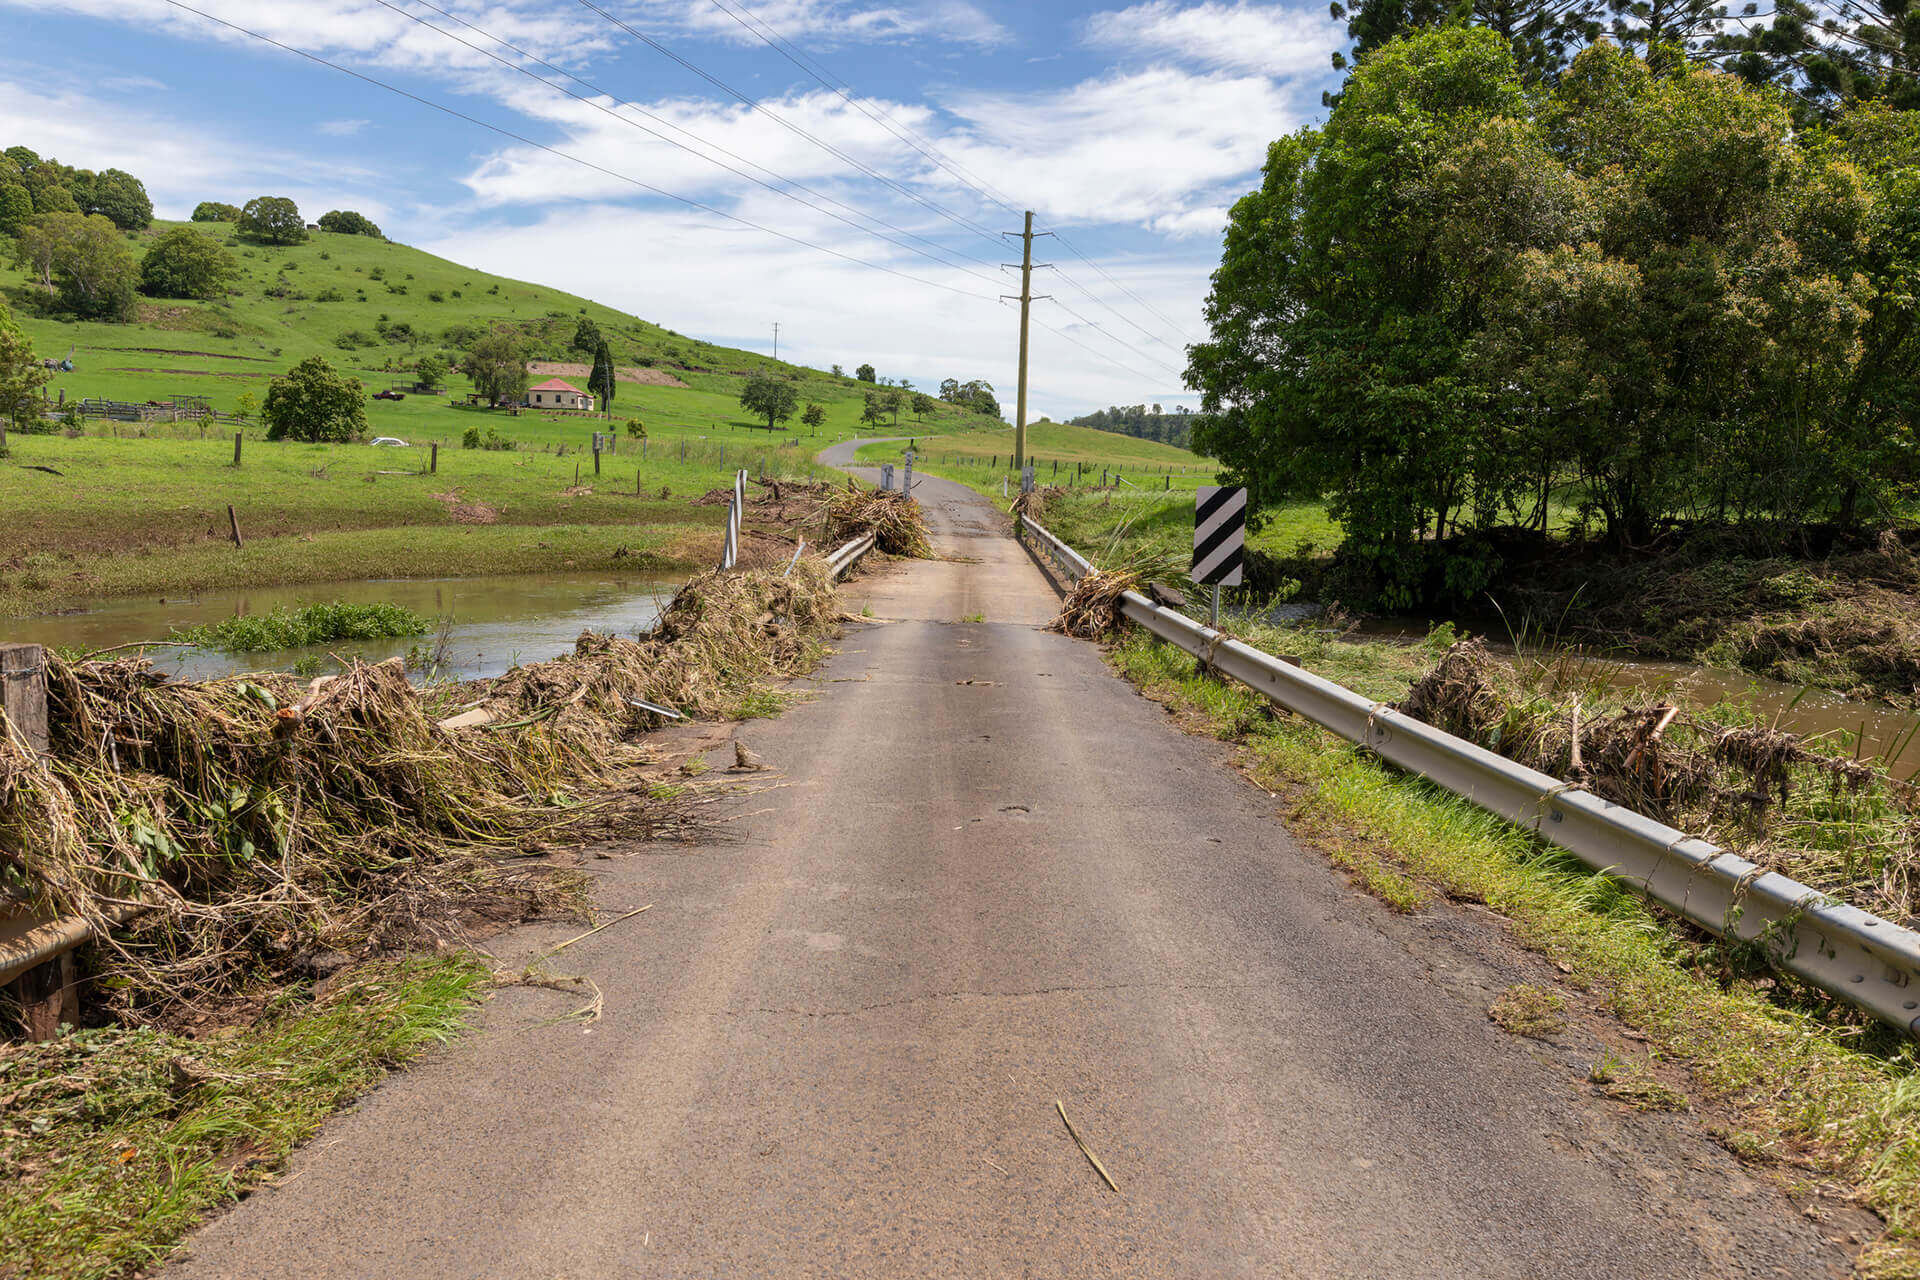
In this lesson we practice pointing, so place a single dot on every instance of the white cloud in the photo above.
(368, 32)
(832, 22)
(1143, 148)
(683, 271)
(181, 165)
(1260, 39)
(342, 128)
(617, 137)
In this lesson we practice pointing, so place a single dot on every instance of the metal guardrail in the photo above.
(840, 561)
(1853, 954)
(27, 940)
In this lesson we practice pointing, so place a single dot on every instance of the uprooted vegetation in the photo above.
(1798, 805)
(1846, 621)
(258, 821)
(895, 520)
(256, 851)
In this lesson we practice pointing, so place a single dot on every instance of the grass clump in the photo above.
(1634, 1085)
(114, 1141)
(1527, 1010)
(313, 625)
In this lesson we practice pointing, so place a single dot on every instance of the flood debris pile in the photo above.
(724, 636)
(1091, 610)
(894, 519)
(256, 827)
(1809, 807)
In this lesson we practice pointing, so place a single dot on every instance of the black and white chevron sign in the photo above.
(1219, 535)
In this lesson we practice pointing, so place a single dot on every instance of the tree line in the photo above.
(1142, 422)
(1643, 296)
(1824, 57)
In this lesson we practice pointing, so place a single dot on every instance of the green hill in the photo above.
(372, 308)
(113, 508)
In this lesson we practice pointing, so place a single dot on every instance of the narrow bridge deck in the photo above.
(997, 877)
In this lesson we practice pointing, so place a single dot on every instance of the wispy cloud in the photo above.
(342, 128)
(1261, 39)
(836, 22)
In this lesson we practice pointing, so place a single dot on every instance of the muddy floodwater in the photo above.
(497, 622)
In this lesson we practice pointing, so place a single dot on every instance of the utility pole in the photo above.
(776, 339)
(1026, 305)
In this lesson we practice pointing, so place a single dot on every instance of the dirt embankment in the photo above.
(624, 373)
(1848, 621)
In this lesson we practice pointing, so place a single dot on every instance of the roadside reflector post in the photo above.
(1219, 540)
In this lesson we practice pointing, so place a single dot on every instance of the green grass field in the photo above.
(139, 508)
(979, 450)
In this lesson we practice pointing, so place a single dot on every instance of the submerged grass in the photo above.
(113, 1142)
(1842, 1097)
(298, 628)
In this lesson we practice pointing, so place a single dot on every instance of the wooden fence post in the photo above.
(233, 523)
(236, 448)
(23, 691)
(433, 460)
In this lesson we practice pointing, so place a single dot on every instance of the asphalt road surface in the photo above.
(985, 875)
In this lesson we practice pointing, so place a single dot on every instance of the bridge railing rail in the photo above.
(1852, 954)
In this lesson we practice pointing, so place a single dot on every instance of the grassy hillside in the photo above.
(393, 304)
(137, 508)
(969, 443)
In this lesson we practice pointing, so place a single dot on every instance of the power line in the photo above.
(622, 177)
(526, 141)
(1074, 250)
(784, 123)
(767, 35)
(764, 31)
(654, 133)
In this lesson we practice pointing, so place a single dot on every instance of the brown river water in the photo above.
(497, 621)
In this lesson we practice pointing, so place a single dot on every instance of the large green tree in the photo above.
(21, 376)
(84, 261)
(347, 222)
(216, 211)
(769, 396)
(604, 378)
(184, 263)
(1642, 295)
(315, 404)
(496, 364)
(122, 199)
(273, 219)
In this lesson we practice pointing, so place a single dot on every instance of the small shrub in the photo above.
(434, 295)
(470, 438)
(329, 295)
(297, 628)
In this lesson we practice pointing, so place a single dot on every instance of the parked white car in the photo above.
(392, 442)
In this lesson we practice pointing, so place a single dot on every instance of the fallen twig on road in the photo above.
(1085, 1150)
(597, 928)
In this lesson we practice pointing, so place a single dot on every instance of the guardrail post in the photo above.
(47, 996)
(23, 691)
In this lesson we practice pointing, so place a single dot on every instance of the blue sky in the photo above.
(1128, 129)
